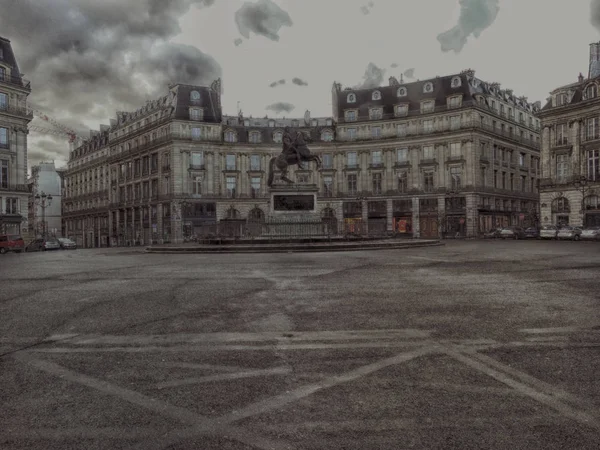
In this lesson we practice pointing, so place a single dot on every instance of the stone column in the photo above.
(416, 225)
(365, 215)
(390, 214)
(576, 157)
(210, 173)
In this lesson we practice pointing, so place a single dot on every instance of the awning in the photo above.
(11, 218)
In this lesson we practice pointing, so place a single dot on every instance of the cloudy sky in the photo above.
(88, 58)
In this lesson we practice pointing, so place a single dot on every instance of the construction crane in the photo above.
(61, 130)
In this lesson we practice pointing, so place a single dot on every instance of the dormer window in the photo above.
(376, 95)
(561, 99)
(401, 92)
(195, 114)
(351, 98)
(427, 106)
(329, 122)
(230, 136)
(428, 87)
(401, 110)
(375, 113)
(454, 102)
(254, 137)
(350, 116)
(327, 136)
(591, 91)
(456, 82)
(278, 137)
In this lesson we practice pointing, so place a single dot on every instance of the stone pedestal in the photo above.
(293, 211)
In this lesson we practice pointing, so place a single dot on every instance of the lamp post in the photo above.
(580, 184)
(183, 206)
(43, 201)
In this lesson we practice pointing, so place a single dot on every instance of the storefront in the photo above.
(402, 217)
(10, 224)
(456, 221)
(353, 223)
(428, 218)
(377, 217)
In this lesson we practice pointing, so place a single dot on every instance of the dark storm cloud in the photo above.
(372, 78)
(366, 9)
(277, 83)
(297, 81)
(86, 59)
(595, 13)
(475, 16)
(409, 73)
(281, 107)
(394, 65)
(238, 42)
(263, 18)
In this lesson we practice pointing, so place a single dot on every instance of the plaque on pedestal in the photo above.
(292, 200)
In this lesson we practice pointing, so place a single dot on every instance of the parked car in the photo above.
(532, 233)
(40, 245)
(591, 234)
(571, 233)
(11, 243)
(512, 233)
(67, 244)
(548, 232)
(493, 234)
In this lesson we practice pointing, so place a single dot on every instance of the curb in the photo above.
(289, 248)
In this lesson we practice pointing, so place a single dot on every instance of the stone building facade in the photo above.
(570, 183)
(14, 117)
(452, 154)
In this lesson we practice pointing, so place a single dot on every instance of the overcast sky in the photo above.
(88, 58)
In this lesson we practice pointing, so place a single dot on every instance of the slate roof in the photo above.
(209, 101)
(9, 56)
(577, 89)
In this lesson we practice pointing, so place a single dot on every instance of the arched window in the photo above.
(327, 136)
(256, 215)
(376, 95)
(591, 91)
(277, 137)
(328, 213)
(401, 92)
(255, 137)
(233, 213)
(560, 205)
(428, 87)
(456, 82)
(195, 96)
(351, 98)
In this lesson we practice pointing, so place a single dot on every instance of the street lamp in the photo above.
(580, 184)
(183, 206)
(43, 201)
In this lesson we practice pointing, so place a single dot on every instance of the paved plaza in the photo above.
(471, 345)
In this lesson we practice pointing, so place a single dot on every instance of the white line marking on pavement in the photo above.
(552, 397)
(207, 425)
(136, 433)
(224, 376)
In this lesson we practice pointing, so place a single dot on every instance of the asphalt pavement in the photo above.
(470, 345)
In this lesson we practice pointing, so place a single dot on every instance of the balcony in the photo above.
(15, 81)
(17, 111)
(378, 165)
(198, 167)
(351, 167)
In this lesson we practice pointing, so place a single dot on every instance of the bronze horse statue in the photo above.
(295, 152)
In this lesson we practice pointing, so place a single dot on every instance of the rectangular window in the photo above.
(196, 133)
(328, 186)
(592, 128)
(352, 163)
(197, 160)
(594, 165)
(427, 106)
(523, 184)
(12, 206)
(402, 155)
(562, 167)
(483, 176)
(255, 187)
(154, 188)
(428, 182)
(230, 162)
(454, 122)
(403, 182)
(503, 180)
(375, 132)
(3, 101)
(327, 161)
(197, 186)
(154, 162)
(351, 133)
(352, 184)
(401, 129)
(512, 182)
(521, 159)
(376, 158)
(350, 116)
(456, 175)
(377, 178)
(3, 137)
(455, 150)
(255, 137)
(428, 126)
(231, 186)
(454, 102)
(254, 162)
(195, 114)
(495, 178)
(428, 152)
(3, 173)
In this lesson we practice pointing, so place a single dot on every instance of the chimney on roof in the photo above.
(594, 70)
(580, 77)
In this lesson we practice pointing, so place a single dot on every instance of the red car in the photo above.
(11, 243)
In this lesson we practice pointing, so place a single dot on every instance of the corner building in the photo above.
(570, 184)
(452, 154)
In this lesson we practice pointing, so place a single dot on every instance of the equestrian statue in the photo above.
(295, 152)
